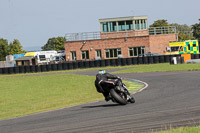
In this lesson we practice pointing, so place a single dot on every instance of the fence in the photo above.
(91, 64)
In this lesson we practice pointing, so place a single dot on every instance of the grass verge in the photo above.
(183, 130)
(164, 67)
(31, 94)
(26, 95)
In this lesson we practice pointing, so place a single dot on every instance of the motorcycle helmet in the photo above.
(102, 71)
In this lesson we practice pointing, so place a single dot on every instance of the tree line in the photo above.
(15, 47)
(184, 31)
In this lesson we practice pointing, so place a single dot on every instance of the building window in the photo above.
(112, 53)
(129, 25)
(137, 24)
(73, 55)
(105, 27)
(85, 54)
(121, 26)
(42, 57)
(113, 26)
(136, 51)
(98, 53)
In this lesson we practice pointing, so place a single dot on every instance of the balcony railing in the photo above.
(106, 35)
(162, 30)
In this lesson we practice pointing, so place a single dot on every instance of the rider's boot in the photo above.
(107, 98)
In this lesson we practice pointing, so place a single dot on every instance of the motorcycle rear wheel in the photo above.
(118, 98)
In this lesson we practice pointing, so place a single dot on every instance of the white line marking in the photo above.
(145, 84)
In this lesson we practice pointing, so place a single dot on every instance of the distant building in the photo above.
(40, 57)
(119, 37)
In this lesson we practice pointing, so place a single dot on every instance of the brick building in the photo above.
(119, 37)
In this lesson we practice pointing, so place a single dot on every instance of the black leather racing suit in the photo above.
(101, 78)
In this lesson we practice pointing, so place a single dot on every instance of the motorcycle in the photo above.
(118, 94)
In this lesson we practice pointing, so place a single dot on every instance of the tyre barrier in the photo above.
(134, 61)
(27, 69)
(196, 56)
(32, 68)
(102, 62)
(128, 61)
(86, 64)
(76, 65)
(64, 66)
(59, 66)
(54, 67)
(119, 62)
(16, 70)
(70, 66)
(161, 59)
(1, 71)
(38, 68)
(107, 62)
(155, 59)
(167, 58)
(10, 70)
(140, 61)
(48, 67)
(43, 68)
(5, 70)
(80, 65)
(150, 60)
(113, 62)
(123, 61)
(21, 69)
(96, 63)
(91, 63)
(145, 60)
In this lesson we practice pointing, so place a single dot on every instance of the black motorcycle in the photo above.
(118, 93)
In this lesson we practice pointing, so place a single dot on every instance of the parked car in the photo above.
(149, 54)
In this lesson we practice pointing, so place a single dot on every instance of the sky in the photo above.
(33, 22)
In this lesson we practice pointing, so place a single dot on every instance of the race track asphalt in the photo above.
(172, 99)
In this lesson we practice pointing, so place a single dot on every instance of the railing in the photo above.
(162, 30)
(83, 36)
(106, 35)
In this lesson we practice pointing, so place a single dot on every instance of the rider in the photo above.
(101, 77)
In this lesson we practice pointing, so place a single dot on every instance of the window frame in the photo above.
(86, 55)
(112, 53)
(98, 51)
(73, 55)
(136, 51)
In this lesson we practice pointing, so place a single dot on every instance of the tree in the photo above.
(15, 47)
(184, 32)
(196, 30)
(55, 44)
(160, 23)
(3, 49)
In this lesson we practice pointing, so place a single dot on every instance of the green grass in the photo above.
(165, 67)
(25, 95)
(182, 130)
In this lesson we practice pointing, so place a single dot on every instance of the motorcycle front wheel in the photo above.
(119, 98)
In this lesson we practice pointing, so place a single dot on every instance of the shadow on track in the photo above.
(104, 105)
